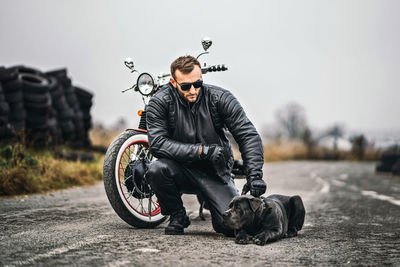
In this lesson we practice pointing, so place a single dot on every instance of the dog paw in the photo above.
(259, 240)
(243, 240)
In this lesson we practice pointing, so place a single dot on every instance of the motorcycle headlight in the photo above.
(145, 84)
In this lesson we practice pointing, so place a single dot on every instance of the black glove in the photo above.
(255, 185)
(212, 152)
(216, 155)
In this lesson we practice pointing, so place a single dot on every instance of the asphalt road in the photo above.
(353, 218)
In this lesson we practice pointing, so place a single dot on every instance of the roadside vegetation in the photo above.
(281, 150)
(25, 170)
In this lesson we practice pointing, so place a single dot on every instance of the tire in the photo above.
(67, 127)
(17, 115)
(61, 103)
(12, 86)
(4, 108)
(56, 90)
(38, 111)
(14, 97)
(3, 120)
(17, 106)
(82, 93)
(37, 98)
(116, 189)
(33, 105)
(7, 74)
(66, 114)
(85, 103)
(24, 69)
(57, 73)
(33, 83)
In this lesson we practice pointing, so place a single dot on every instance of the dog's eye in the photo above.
(237, 209)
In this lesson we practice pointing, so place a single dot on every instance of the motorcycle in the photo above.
(128, 157)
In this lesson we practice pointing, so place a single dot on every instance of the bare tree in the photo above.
(292, 120)
(336, 131)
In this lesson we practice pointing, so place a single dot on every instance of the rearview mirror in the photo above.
(206, 43)
(129, 63)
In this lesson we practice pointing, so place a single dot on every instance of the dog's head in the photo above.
(242, 211)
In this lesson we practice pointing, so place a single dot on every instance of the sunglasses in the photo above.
(187, 86)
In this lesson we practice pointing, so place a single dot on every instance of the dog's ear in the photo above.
(255, 203)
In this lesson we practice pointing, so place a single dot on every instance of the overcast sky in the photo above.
(340, 60)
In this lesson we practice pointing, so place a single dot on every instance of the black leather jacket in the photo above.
(176, 129)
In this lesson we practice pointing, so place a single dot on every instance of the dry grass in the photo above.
(27, 171)
(278, 151)
(296, 150)
(100, 136)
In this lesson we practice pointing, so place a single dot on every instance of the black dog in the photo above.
(262, 220)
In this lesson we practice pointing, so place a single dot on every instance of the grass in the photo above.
(99, 136)
(26, 171)
(296, 150)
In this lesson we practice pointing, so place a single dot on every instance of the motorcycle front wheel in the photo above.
(125, 184)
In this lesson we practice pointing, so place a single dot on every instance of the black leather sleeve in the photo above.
(161, 145)
(244, 132)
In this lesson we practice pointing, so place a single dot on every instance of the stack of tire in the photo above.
(44, 105)
(390, 162)
(72, 100)
(85, 100)
(65, 113)
(5, 128)
(41, 123)
(14, 97)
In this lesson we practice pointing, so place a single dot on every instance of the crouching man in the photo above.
(185, 122)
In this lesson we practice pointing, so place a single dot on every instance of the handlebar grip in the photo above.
(215, 68)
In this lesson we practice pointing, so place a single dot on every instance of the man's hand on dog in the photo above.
(255, 185)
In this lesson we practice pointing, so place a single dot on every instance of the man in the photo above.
(185, 122)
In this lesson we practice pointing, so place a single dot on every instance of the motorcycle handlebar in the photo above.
(214, 68)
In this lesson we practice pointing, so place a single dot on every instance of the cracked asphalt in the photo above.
(353, 218)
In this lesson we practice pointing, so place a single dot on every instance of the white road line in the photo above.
(375, 195)
(325, 185)
(58, 251)
(119, 263)
(152, 250)
(368, 224)
(338, 183)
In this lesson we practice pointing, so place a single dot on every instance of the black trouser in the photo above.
(169, 179)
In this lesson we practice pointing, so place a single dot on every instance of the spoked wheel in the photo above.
(125, 183)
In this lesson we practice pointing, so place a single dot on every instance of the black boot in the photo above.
(177, 222)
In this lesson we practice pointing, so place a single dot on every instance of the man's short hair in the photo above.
(184, 64)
